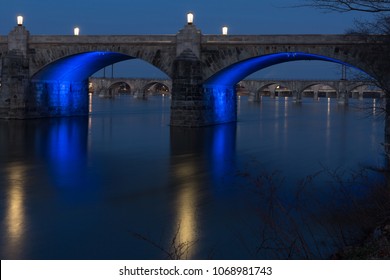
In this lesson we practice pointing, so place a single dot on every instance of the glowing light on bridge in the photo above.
(19, 20)
(76, 31)
(225, 30)
(190, 18)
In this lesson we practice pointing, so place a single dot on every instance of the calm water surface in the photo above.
(88, 188)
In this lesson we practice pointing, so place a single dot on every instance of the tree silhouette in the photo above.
(369, 6)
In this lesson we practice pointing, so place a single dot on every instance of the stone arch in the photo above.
(160, 57)
(365, 53)
(156, 87)
(365, 90)
(77, 67)
(61, 87)
(317, 89)
(119, 87)
(236, 72)
(275, 89)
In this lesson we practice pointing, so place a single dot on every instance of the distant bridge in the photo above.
(143, 87)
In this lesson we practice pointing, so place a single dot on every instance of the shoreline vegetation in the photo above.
(352, 222)
(375, 245)
(354, 215)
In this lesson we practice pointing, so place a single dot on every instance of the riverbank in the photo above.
(376, 246)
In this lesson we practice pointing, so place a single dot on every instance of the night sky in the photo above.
(168, 16)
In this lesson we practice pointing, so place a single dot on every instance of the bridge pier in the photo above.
(187, 92)
(297, 96)
(194, 104)
(58, 98)
(342, 94)
(15, 76)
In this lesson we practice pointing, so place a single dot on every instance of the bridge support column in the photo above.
(187, 106)
(361, 94)
(297, 96)
(342, 93)
(194, 104)
(15, 76)
(256, 97)
(315, 95)
(272, 93)
(343, 97)
(58, 98)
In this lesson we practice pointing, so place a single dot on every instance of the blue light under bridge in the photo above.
(220, 89)
(61, 87)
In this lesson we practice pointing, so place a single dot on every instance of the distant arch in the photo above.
(156, 88)
(275, 89)
(322, 89)
(119, 88)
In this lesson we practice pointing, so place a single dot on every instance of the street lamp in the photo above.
(76, 31)
(20, 20)
(190, 18)
(224, 30)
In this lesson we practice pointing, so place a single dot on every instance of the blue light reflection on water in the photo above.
(76, 188)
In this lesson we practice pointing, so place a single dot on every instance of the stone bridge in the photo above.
(141, 88)
(340, 89)
(43, 76)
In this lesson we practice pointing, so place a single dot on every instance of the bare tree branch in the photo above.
(369, 6)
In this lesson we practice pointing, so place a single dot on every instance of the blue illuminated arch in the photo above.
(79, 67)
(234, 73)
(61, 87)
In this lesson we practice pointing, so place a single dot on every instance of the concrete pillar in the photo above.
(297, 96)
(343, 97)
(272, 93)
(342, 93)
(315, 94)
(15, 75)
(18, 40)
(255, 96)
(187, 106)
(187, 93)
(188, 38)
(194, 104)
(361, 93)
(58, 98)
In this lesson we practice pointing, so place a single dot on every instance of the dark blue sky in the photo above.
(168, 16)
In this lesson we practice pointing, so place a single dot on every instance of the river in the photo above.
(123, 184)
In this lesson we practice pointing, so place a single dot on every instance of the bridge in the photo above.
(44, 76)
(144, 87)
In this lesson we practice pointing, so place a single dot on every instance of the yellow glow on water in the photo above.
(187, 219)
(15, 212)
(186, 225)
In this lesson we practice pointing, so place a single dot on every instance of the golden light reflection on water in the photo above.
(15, 212)
(186, 221)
